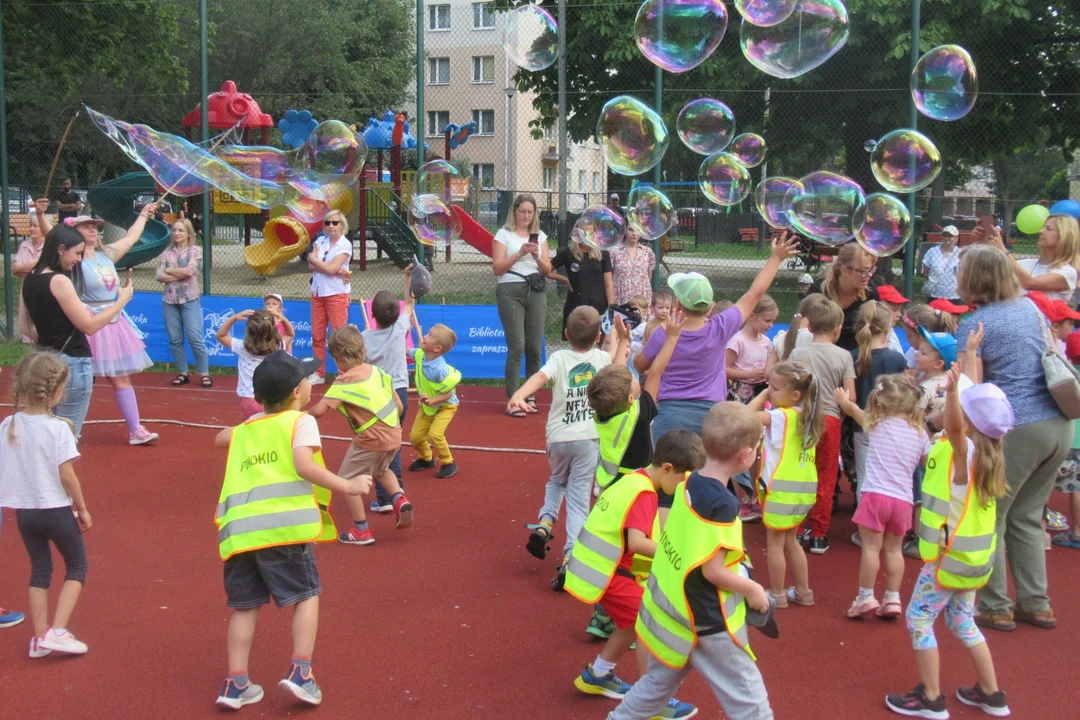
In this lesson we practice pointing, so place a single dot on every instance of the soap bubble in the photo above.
(575, 203)
(679, 35)
(723, 179)
(531, 38)
(869, 145)
(749, 149)
(812, 34)
(334, 151)
(435, 223)
(599, 227)
(944, 83)
(824, 205)
(649, 212)
(705, 125)
(770, 200)
(432, 177)
(905, 161)
(883, 225)
(633, 136)
(765, 13)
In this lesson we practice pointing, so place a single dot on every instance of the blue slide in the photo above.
(114, 202)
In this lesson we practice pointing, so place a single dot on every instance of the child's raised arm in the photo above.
(716, 572)
(672, 330)
(410, 301)
(223, 331)
(954, 424)
(618, 355)
(782, 248)
(972, 362)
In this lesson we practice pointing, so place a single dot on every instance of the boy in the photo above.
(275, 307)
(624, 525)
(896, 302)
(695, 606)
(365, 396)
(435, 381)
(265, 533)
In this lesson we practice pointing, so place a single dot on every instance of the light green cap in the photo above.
(692, 290)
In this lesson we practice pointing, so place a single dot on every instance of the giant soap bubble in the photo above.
(765, 13)
(649, 212)
(705, 125)
(882, 225)
(531, 38)
(723, 179)
(905, 161)
(944, 83)
(679, 35)
(749, 148)
(812, 34)
(824, 206)
(599, 227)
(770, 200)
(436, 225)
(433, 177)
(633, 136)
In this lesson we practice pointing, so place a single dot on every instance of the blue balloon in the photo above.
(1066, 207)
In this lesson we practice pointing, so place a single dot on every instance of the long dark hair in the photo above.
(61, 236)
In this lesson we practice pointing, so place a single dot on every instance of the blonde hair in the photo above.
(822, 314)
(729, 428)
(37, 378)
(830, 286)
(799, 379)
(346, 346)
(340, 216)
(640, 302)
(1068, 245)
(895, 396)
(875, 320)
(261, 336)
(985, 276)
(579, 250)
(765, 305)
(988, 465)
(916, 316)
(189, 230)
(444, 336)
(511, 218)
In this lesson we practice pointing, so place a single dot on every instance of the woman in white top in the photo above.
(329, 263)
(939, 266)
(1054, 273)
(519, 259)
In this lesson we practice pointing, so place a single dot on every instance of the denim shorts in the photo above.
(287, 573)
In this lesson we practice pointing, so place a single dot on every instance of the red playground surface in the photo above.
(451, 618)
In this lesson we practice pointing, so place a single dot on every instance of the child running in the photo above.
(261, 338)
(435, 383)
(37, 479)
(274, 305)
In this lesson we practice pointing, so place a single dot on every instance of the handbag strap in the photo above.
(1050, 347)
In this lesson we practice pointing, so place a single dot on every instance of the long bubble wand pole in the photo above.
(56, 158)
(210, 151)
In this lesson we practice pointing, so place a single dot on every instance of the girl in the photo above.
(789, 475)
(181, 303)
(916, 316)
(275, 305)
(37, 478)
(958, 506)
(261, 338)
(748, 352)
(797, 335)
(898, 443)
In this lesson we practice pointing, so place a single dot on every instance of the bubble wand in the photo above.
(63, 140)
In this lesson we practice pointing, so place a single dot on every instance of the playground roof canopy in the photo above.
(225, 109)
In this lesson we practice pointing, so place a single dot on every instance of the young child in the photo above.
(797, 335)
(364, 394)
(1067, 480)
(698, 573)
(37, 479)
(934, 357)
(916, 316)
(261, 338)
(894, 424)
(833, 369)
(951, 308)
(273, 304)
(1060, 316)
(748, 352)
(958, 507)
(625, 526)
(265, 540)
(435, 382)
(788, 474)
(895, 301)
(663, 301)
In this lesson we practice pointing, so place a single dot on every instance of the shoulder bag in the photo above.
(1062, 379)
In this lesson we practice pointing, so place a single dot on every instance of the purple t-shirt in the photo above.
(697, 369)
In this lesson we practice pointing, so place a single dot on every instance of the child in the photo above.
(748, 352)
(1060, 316)
(805, 285)
(895, 302)
(916, 316)
(698, 573)
(1067, 480)
(894, 424)
(789, 475)
(796, 335)
(435, 382)
(265, 539)
(272, 303)
(958, 506)
(663, 301)
(37, 479)
(934, 357)
(833, 369)
(617, 547)
(260, 339)
(947, 306)
(364, 394)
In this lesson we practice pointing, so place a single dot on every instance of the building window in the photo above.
(439, 71)
(549, 177)
(485, 175)
(483, 69)
(438, 17)
(581, 181)
(483, 17)
(437, 120)
(485, 121)
(550, 132)
(596, 182)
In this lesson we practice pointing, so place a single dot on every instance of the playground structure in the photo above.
(114, 201)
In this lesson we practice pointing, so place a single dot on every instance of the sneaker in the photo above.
(235, 697)
(748, 513)
(141, 436)
(559, 581)
(303, 688)
(819, 545)
(447, 471)
(610, 686)
(378, 507)
(991, 704)
(862, 607)
(63, 642)
(600, 625)
(10, 618)
(804, 537)
(403, 512)
(676, 709)
(916, 704)
(1056, 521)
(36, 651)
(316, 379)
(356, 537)
(418, 465)
(856, 539)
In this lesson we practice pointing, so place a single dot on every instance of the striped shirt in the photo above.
(896, 449)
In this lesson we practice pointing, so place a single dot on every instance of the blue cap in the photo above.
(944, 343)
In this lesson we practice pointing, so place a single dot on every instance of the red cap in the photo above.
(1072, 347)
(889, 294)
(948, 307)
(1062, 311)
(1042, 302)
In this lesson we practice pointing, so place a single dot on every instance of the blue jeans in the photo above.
(77, 393)
(381, 495)
(181, 320)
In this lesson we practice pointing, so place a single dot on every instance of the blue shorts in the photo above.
(287, 573)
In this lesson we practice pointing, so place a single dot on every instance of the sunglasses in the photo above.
(327, 223)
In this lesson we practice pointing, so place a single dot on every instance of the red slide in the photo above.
(473, 232)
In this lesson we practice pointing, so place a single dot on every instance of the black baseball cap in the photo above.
(278, 375)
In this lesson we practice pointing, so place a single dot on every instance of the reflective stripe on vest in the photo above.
(792, 490)
(429, 388)
(376, 395)
(614, 434)
(300, 488)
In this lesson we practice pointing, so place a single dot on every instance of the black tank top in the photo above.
(55, 331)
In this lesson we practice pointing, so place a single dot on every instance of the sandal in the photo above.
(207, 381)
(1040, 618)
(793, 595)
(539, 538)
(1068, 540)
(181, 379)
(780, 598)
(515, 413)
(890, 610)
(531, 402)
(996, 621)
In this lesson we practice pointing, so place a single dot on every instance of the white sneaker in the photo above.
(316, 379)
(63, 642)
(36, 650)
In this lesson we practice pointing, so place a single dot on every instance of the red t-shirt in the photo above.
(641, 516)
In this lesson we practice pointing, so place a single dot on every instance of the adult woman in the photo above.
(1010, 356)
(939, 266)
(58, 320)
(29, 250)
(330, 286)
(632, 265)
(178, 267)
(847, 283)
(588, 277)
(1054, 272)
(519, 259)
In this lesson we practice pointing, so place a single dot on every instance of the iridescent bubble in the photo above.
(869, 145)
(882, 225)
(749, 148)
(723, 179)
(905, 161)
(765, 13)
(823, 205)
(633, 136)
(333, 151)
(649, 212)
(575, 202)
(599, 227)
(770, 200)
(679, 35)
(812, 34)
(433, 177)
(944, 83)
(435, 223)
(531, 38)
(705, 125)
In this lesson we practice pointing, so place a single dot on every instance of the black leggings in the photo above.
(37, 528)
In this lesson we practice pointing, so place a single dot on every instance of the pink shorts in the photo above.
(249, 407)
(882, 513)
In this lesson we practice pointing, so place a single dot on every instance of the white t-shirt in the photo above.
(323, 285)
(958, 496)
(894, 342)
(245, 367)
(305, 433)
(1035, 268)
(570, 417)
(386, 349)
(30, 469)
(525, 266)
(805, 337)
(896, 449)
(774, 442)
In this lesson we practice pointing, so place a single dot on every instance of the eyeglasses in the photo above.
(328, 223)
(862, 273)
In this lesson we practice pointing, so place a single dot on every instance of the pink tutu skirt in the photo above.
(117, 349)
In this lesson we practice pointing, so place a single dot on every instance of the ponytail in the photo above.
(791, 337)
(875, 320)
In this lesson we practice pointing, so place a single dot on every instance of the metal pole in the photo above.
(658, 105)
(419, 102)
(9, 291)
(563, 144)
(204, 89)
(909, 249)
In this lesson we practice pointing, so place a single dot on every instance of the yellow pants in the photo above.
(432, 429)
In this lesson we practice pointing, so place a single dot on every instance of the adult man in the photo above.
(68, 203)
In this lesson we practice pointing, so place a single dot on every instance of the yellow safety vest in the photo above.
(665, 622)
(263, 503)
(376, 395)
(614, 434)
(429, 388)
(969, 548)
(791, 492)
